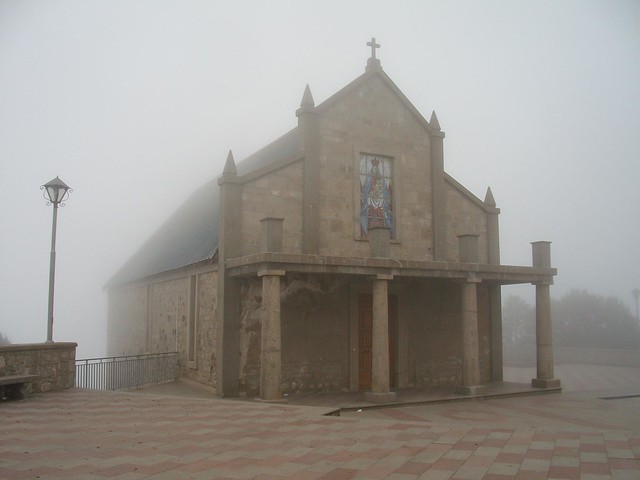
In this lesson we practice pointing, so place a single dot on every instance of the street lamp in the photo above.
(55, 192)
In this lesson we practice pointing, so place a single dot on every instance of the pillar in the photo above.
(380, 388)
(495, 289)
(439, 191)
(271, 352)
(495, 306)
(544, 341)
(228, 292)
(470, 353)
(310, 144)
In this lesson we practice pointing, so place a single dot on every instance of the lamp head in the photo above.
(56, 191)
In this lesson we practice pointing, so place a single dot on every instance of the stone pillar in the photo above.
(310, 144)
(493, 228)
(544, 341)
(379, 239)
(470, 353)
(439, 191)
(380, 388)
(271, 354)
(229, 246)
(495, 306)
(495, 290)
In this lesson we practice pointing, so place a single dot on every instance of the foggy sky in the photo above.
(136, 104)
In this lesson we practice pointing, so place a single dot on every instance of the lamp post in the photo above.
(55, 192)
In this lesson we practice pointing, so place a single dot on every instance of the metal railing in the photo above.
(115, 373)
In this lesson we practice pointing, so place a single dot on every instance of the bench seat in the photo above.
(12, 387)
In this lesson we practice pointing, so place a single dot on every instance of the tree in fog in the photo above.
(4, 340)
(583, 319)
(518, 321)
(580, 319)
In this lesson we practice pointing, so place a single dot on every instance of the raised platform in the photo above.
(416, 396)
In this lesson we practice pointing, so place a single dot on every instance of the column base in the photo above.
(545, 382)
(374, 397)
(470, 389)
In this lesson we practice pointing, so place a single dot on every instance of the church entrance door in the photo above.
(365, 339)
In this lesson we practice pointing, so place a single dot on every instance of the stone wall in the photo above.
(435, 345)
(277, 194)
(54, 363)
(176, 312)
(435, 326)
(315, 335)
(201, 366)
(464, 217)
(372, 119)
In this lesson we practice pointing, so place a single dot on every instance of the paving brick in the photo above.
(158, 437)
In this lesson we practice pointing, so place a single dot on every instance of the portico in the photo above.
(384, 275)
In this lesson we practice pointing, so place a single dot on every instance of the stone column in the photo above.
(439, 190)
(495, 290)
(544, 341)
(470, 354)
(228, 291)
(380, 388)
(271, 355)
(310, 144)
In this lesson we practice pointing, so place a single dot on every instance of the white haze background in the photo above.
(135, 104)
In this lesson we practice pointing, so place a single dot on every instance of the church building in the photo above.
(340, 257)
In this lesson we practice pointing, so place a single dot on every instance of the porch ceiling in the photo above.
(504, 274)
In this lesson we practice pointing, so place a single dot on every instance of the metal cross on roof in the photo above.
(373, 46)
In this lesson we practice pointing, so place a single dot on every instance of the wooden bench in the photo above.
(12, 387)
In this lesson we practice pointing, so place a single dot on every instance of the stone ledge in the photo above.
(23, 347)
(375, 397)
(471, 389)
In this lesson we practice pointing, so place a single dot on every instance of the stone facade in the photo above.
(328, 275)
(174, 315)
(53, 363)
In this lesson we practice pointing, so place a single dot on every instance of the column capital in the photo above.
(384, 276)
(471, 278)
(273, 273)
(543, 282)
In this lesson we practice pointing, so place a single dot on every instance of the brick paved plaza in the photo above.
(79, 434)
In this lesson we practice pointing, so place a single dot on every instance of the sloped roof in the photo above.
(190, 235)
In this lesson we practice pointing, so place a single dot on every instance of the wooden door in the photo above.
(365, 339)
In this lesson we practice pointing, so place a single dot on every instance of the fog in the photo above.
(136, 104)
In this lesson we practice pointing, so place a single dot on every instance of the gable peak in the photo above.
(373, 63)
(230, 165)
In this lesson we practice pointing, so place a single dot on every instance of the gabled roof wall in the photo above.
(190, 235)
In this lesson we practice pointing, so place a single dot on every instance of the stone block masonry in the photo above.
(53, 363)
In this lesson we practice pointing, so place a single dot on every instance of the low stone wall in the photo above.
(54, 363)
